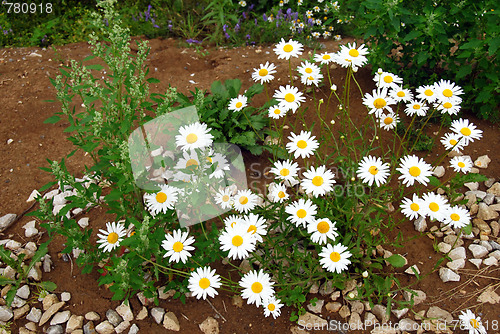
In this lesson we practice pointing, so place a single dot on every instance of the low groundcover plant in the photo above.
(307, 227)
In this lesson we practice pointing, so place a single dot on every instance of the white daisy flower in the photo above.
(326, 34)
(387, 79)
(162, 201)
(245, 200)
(324, 58)
(256, 226)
(335, 258)
(427, 93)
(238, 103)
(220, 161)
(313, 79)
(192, 136)
(453, 141)
(373, 170)
(378, 101)
(457, 217)
(414, 169)
(447, 90)
(178, 246)
(351, 56)
(277, 193)
(318, 181)
(285, 170)
(110, 238)
(306, 68)
(322, 230)
(449, 107)
(285, 50)
(257, 287)
(461, 164)
(233, 220)
(276, 112)
(435, 206)
(302, 145)
(189, 159)
(412, 208)
(223, 198)
(400, 94)
(272, 306)
(289, 98)
(302, 212)
(416, 107)
(203, 282)
(467, 130)
(470, 322)
(389, 121)
(264, 73)
(238, 241)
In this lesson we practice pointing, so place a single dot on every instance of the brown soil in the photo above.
(25, 85)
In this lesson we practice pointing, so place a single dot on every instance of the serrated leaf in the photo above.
(396, 260)
(52, 120)
(153, 80)
(434, 181)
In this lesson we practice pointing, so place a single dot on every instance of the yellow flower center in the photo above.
(323, 227)
(263, 72)
(239, 104)
(252, 229)
(191, 162)
(447, 105)
(461, 164)
(414, 206)
(373, 170)
(178, 247)
(474, 323)
(302, 144)
(284, 171)
(434, 207)
(288, 48)
(277, 111)
(453, 142)
(204, 283)
(113, 237)
(466, 131)
(301, 213)
(225, 198)
(271, 307)
(191, 138)
(281, 194)
(289, 97)
(257, 287)
(414, 171)
(161, 197)
(353, 53)
(308, 70)
(335, 257)
(388, 79)
(379, 103)
(311, 78)
(388, 120)
(326, 57)
(416, 106)
(428, 92)
(233, 223)
(455, 217)
(447, 92)
(401, 93)
(317, 181)
(237, 241)
(243, 200)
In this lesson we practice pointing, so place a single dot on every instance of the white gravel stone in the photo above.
(489, 296)
(494, 189)
(125, 311)
(34, 194)
(482, 162)
(355, 322)
(165, 295)
(381, 313)
(410, 270)
(408, 325)
(490, 261)
(456, 264)
(34, 315)
(486, 213)
(60, 318)
(65, 296)
(439, 313)
(420, 224)
(134, 329)
(399, 313)
(122, 327)
(317, 307)
(75, 322)
(457, 253)
(333, 307)
(83, 222)
(92, 316)
(476, 262)
(209, 326)
(496, 254)
(438, 171)
(6, 221)
(157, 313)
(6, 313)
(171, 322)
(448, 275)
(105, 327)
(314, 320)
(473, 186)
(51, 194)
(443, 247)
(478, 251)
(23, 292)
(13, 245)
(18, 302)
(417, 299)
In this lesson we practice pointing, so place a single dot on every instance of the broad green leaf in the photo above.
(47, 285)
(396, 260)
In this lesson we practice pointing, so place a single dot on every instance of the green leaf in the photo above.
(464, 71)
(467, 229)
(96, 67)
(47, 285)
(396, 260)
(153, 80)
(412, 35)
(52, 120)
(10, 295)
(494, 44)
(434, 181)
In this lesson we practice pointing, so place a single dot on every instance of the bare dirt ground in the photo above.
(25, 85)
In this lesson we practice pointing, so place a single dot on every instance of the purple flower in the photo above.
(289, 11)
(256, 23)
(227, 35)
(244, 15)
(224, 27)
(237, 27)
(264, 17)
(191, 41)
(251, 7)
(248, 36)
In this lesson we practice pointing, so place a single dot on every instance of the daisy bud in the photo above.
(353, 179)
(351, 295)
(321, 101)
(340, 107)
(342, 137)
(365, 274)
(354, 69)
(332, 122)
(334, 87)
(376, 137)
(379, 71)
